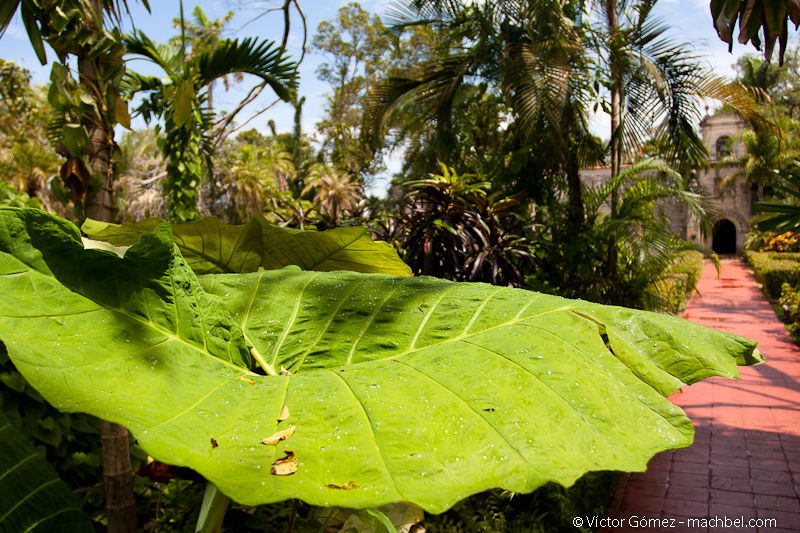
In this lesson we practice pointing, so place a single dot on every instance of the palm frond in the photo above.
(165, 57)
(264, 59)
(596, 196)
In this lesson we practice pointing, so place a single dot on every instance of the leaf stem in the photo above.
(212, 510)
(262, 362)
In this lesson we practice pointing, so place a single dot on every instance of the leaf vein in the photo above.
(45, 519)
(29, 496)
(427, 317)
(292, 319)
(20, 463)
(331, 317)
(368, 323)
(374, 435)
(475, 411)
(553, 392)
(479, 310)
(195, 404)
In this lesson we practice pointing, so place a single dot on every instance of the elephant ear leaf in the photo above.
(150, 291)
(380, 389)
(34, 498)
(213, 247)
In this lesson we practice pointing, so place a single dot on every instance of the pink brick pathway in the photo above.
(745, 460)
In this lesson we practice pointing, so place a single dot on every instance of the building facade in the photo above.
(731, 194)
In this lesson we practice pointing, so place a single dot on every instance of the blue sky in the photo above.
(690, 20)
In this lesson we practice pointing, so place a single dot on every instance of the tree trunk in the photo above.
(98, 204)
(576, 209)
(612, 22)
(118, 478)
(577, 213)
(117, 469)
(99, 201)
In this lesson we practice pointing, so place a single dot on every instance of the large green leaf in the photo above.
(399, 389)
(213, 247)
(32, 497)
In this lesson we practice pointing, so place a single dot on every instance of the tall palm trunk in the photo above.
(117, 469)
(577, 213)
(98, 203)
(612, 23)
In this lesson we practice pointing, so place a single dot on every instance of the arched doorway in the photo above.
(723, 240)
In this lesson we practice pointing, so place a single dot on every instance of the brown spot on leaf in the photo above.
(248, 381)
(278, 436)
(489, 410)
(285, 372)
(214, 443)
(287, 459)
(342, 486)
(285, 466)
(284, 469)
(284, 414)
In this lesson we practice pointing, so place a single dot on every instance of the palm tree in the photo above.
(765, 158)
(204, 35)
(544, 56)
(181, 100)
(334, 191)
(77, 28)
(656, 85)
(644, 246)
(259, 176)
(530, 52)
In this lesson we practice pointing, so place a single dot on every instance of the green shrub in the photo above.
(790, 305)
(12, 197)
(549, 508)
(773, 269)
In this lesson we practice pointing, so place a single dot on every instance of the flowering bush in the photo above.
(771, 242)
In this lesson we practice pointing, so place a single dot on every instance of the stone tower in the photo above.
(730, 193)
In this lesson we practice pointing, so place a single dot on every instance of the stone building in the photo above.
(734, 200)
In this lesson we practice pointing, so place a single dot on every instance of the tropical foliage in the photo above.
(758, 20)
(453, 227)
(264, 340)
(181, 102)
(34, 498)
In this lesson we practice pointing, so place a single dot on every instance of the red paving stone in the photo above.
(745, 461)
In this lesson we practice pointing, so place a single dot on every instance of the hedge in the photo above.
(773, 269)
